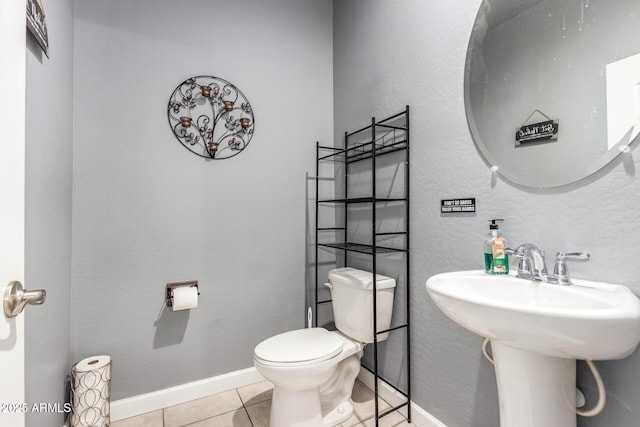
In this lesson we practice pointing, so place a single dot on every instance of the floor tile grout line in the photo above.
(244, 407)
(249, 416)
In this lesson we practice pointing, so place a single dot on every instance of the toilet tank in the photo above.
(352, 300)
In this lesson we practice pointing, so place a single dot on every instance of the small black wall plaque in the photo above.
(536, 132)
(458, 205)
(37, 25)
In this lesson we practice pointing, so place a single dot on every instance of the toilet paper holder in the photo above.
(172, 286)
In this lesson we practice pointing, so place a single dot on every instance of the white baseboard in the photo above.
(419, 417)
(141, 404)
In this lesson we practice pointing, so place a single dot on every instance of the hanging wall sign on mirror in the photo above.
(211, 117)
(546, 131)
(575, 60)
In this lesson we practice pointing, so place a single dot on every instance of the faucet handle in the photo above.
(560, 270)
(574, 256)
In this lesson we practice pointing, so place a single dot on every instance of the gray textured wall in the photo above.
(49, 113)
(147, 212)
(391, 53)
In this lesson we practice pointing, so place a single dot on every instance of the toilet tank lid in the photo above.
(360, 279)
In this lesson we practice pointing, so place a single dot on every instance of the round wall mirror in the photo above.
(552, 87)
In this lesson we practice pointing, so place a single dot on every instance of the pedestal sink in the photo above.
(537, 331)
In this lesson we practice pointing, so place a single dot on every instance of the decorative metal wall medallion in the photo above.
(211, 117)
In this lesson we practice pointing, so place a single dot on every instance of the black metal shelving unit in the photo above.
(380, 138)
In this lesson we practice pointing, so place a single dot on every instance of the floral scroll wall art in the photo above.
(211, 117)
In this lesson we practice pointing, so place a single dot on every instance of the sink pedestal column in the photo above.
(534, 390)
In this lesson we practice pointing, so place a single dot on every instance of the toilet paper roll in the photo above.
(185, 297)
(91, 392)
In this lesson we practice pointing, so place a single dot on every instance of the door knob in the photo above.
(16, 297)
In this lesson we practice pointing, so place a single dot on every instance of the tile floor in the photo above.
(250, 407)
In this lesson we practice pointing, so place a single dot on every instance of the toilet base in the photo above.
(301, 408)
(342, 413)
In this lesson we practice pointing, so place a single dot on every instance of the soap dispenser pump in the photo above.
(496, 259)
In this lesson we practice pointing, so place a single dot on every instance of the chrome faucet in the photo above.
(532, 265)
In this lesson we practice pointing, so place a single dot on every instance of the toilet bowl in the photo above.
(313, 370)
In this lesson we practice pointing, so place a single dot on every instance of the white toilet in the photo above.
(313, 370)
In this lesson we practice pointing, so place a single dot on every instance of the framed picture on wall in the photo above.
(37, 25)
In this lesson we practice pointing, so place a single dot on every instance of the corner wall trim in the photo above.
(419, 417)
(143, 403)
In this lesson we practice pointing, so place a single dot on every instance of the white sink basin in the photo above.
(537, 331)
(586, 320)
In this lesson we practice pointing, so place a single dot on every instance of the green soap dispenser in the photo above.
(496, 259)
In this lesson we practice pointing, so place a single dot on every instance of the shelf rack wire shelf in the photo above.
(381, 138)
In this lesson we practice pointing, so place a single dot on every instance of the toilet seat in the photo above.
(299, 347)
